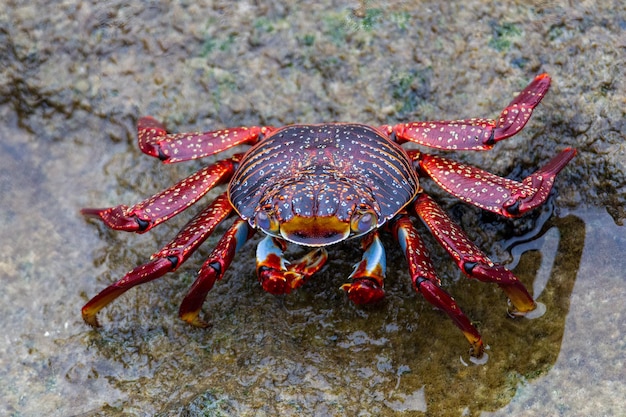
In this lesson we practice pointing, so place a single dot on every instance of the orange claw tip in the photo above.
(477, 348)
(193, 318)
(543, 79)
(90, 318)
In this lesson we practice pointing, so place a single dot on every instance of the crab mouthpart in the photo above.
(315, 231)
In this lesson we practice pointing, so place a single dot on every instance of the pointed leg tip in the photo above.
(477, 347)
(559, 161)
(91, 319)
(193, 318)
(541, 80)
(477, 351)
(569, 153)
(92, 212)
(147, 122)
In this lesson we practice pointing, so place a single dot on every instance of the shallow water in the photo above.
(73, 84)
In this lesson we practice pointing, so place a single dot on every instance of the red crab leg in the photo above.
(145, 215)
(168, 259)
(474, 134)
(277, 275)
(426, 282)
(213, 269)
(471, 260)
(368, 277)
(176, 147)
(490, 192)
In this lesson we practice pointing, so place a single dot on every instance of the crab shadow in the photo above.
(529, 348)
(416, 352)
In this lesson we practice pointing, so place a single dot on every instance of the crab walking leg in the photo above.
(490, 192)
(276, 274)
(426, 282)
(147, 214)
(168, 259)
(176, 147)
(213, 269)
(367, 279)
(475, 134)
(471, 260)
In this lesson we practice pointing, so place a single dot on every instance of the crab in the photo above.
(316, 185)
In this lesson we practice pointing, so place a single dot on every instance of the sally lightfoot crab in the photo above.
(317, 185)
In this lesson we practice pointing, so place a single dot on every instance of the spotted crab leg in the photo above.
(426, 282)
(474, 134)
(168, 259)
(176, 147)
(367, 279)
(279, 276)
(213, 270)
(490, 192)
(471, 260)
(145, 215)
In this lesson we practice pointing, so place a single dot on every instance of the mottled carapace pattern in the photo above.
(324, 170)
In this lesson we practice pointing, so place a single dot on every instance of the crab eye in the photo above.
(363, 221)
(266, 221)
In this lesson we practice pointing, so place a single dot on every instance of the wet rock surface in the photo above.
(75, 79)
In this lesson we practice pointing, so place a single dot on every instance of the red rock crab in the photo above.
(317, 185)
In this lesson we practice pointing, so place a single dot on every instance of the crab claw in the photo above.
(279, 282)
(276, 275)
(363, 291)
(368, 275)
